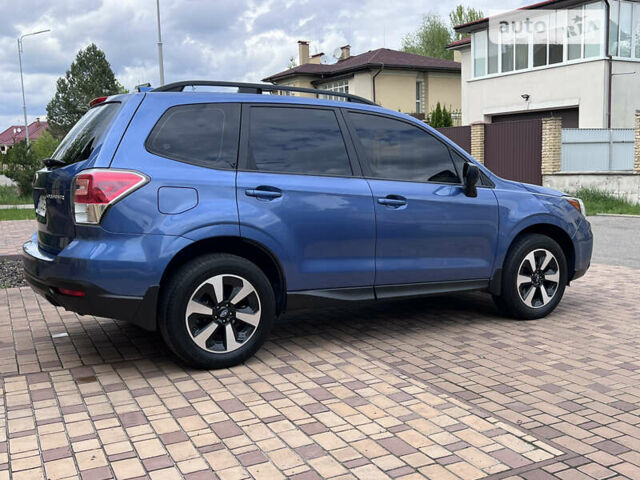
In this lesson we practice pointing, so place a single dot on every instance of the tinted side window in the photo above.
(296, 140)
(87, 134)
(204, 134)
(396, 150)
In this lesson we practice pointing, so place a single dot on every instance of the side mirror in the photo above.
(470, 174)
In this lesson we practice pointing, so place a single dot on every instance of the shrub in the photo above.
(23, 162)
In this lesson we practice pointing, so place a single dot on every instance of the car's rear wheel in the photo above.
(217, 311)
(533, 279)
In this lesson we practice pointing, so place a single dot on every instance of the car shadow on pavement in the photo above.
(113, 342)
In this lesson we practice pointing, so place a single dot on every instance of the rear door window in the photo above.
(87, 134)
(397, 150)
(296, 140)
(203, 134)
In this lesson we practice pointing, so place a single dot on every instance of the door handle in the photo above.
(393, 201)
(266, 193)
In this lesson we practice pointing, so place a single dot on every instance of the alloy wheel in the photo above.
(538, 278)
(223, 313)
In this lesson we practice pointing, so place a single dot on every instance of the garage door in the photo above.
(569, 116)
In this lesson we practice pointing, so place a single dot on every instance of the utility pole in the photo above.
(160, 62)
(24, 103)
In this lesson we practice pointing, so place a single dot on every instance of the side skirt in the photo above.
(303, 299)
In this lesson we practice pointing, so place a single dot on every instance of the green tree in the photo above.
(431, 39)
(462, 14)
(23, 163)
(440, 117)
(433, 35)
(44, 146)
(89, 76)
(447, 119)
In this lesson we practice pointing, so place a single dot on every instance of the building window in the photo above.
(341, 86)
(285, 93)
(420, 97)
(624, 32)
(480, 56)
(534, 39)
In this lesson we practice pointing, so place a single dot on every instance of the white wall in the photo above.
(625, 97)
(580, 85)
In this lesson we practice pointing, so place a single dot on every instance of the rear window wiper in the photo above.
(53, 162)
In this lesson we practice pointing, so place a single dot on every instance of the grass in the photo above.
(597, 201)
(10, 196)
(17, 214)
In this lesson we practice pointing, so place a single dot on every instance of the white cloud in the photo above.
(225, 39)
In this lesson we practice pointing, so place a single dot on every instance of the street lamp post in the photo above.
(160, 62)
(24, 103)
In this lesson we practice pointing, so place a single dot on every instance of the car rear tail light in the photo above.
(96, 190)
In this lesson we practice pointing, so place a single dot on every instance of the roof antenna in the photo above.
(384, 35)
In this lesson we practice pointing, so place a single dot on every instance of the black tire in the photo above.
(187, 281)
(510, 301)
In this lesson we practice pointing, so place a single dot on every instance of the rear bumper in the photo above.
(140, 311)
(134, 301)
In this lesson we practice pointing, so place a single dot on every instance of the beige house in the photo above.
(396, 80)
(554, 58)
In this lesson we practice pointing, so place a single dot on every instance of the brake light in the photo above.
(96, 101)
(95, 190)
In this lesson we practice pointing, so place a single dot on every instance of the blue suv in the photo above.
(207, 214)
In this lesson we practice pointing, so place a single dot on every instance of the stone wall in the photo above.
(477, 141)
(623, 185)
(636, 160)
(551, 145)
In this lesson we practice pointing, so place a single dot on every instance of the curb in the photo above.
(617, 215)
(14, 257)
(17, 207)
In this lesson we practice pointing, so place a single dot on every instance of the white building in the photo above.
(556, 58)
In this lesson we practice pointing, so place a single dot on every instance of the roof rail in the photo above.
(257, 88)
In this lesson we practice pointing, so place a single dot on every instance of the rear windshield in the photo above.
(87, 134)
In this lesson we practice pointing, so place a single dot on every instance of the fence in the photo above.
(597, 150)
(459, 135)
(513, 150)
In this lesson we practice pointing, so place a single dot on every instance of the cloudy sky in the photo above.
(243, 40)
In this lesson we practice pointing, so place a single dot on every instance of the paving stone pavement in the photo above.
(13, 233)
(440, 388)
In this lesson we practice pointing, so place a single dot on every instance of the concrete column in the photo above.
(477, 141)
(636, 159)
(551, 145)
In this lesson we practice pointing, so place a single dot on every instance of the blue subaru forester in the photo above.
(206, 215)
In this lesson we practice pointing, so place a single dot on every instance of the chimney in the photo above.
(303, 52)
(317, 58)
(37, 120)
(345, 52)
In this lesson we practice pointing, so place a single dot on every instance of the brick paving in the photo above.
(13, 233)
(440, 388)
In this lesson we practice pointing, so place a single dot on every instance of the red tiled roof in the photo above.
(371, 59)
(16, 133)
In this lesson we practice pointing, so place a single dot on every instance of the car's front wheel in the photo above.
(533, 279)
(217, 311)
